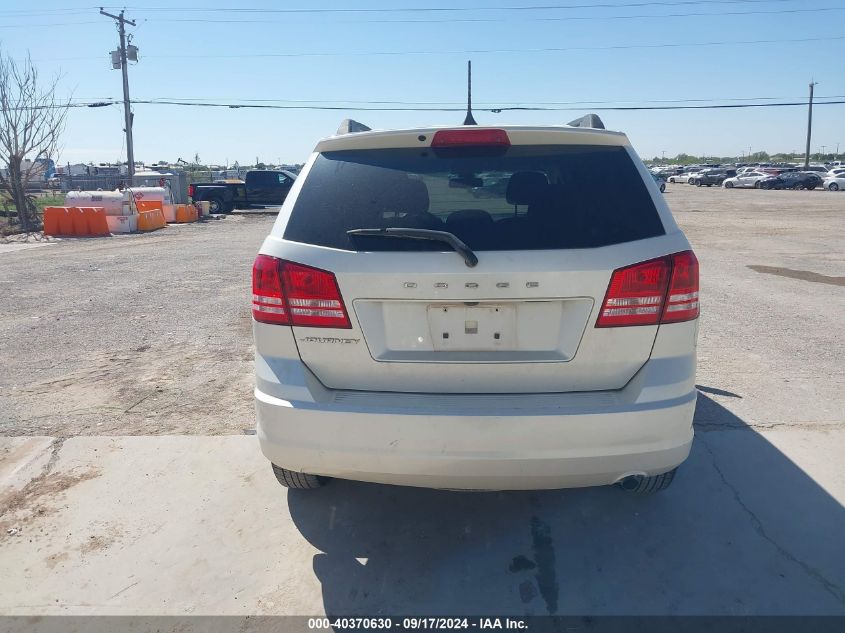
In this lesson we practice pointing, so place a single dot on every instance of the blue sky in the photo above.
(214, 59)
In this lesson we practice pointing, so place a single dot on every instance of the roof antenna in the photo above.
(469, 120)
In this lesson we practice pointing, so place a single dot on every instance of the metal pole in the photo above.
(809, 126)
(127, 110)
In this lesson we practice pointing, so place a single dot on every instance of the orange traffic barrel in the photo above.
(79, 221)
(89, 221)
(56, 218)
(148, 205)
(98, 225)
(150, 220)
(186, 213)
(66, 223)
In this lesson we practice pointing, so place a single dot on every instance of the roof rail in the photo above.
(350, 126)
(588, 120)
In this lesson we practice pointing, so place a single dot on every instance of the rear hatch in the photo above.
(548, 226)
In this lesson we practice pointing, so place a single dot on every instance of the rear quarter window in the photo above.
(527, 198)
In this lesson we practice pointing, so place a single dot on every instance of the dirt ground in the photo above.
(150, 334)
(130, 335)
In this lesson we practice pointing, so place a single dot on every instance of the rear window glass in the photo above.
(527, 198)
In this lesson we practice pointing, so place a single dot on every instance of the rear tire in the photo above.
(298, 481)
(648, 485)
(729, 185)
(757, 185)
(697, 183)
(215, 206)
(833, 187)
(663, 188)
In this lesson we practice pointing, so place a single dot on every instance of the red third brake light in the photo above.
(285, 293)
(470, 137)
(637, 295)
(191, 190)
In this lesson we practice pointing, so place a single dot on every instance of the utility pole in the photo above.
(127, 110)
(809, 126)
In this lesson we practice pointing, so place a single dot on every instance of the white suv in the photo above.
(476, 308)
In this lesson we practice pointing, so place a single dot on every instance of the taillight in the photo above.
(635, 294)
(662, 290)
(268, 305)
(682, 301)
(470, 137)
(191, 190)
(285, 293)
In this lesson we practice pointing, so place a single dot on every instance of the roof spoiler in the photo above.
(588, 120)
(350, 126)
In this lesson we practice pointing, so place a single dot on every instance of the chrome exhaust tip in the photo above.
(630, 482)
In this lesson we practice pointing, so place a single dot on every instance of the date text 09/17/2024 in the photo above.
(416, 623)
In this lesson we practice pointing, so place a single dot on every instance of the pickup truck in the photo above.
(262, 187)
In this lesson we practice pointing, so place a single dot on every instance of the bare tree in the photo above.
(32, 118)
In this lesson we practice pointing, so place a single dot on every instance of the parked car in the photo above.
(683, 177)
(792, 180)
(660, 181)
(260, 187)
(834, 183)
(835, 171)
(408, 332)
(747, 179)
(711, 177)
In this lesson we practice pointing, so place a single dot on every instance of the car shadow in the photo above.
(742, 530)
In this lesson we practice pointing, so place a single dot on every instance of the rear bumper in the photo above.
(504, 451)
(486, 441)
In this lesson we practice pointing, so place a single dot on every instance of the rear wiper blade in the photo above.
(423, 234)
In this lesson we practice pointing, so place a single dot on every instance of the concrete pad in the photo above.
(198, 525)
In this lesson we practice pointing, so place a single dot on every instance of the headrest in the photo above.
(524, 187)
(403, 194)
(416, 196)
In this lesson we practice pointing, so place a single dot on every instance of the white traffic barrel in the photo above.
(111, 201)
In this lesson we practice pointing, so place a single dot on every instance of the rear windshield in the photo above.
(526, 198)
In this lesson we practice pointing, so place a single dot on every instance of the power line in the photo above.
(599, 18)
(480, 51)
(482, 103)
(40, 24)
(489, 109)
(59, 12)
(472, 51)
(650, 16)
(550, 7)
(496, 109)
